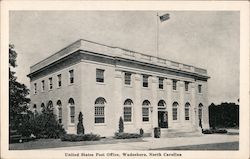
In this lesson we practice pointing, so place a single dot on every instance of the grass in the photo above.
(216, 146)
(55, 143)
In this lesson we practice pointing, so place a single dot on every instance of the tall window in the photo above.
(59, 106)
(127, 111)
(42, 85)
(174, 84)
(186, 86)
(199, 88)
(71, 76)
(42, 107)
(99, 110)
(59, 80)
(187, 107)
(50, 105)
(175, 111)
(72, 111)
(145, 81)
(200, 111)
(35, 88)
(145, 110)
(99, 75)
(50, 83)
(127, 78)
(161, 83)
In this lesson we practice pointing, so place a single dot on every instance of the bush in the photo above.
(126, 135)
(214, 131)
(80, 137)
(121, 125)
(141, 132)
(80, 128)
(45, 125)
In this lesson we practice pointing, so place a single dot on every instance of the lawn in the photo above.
(215, 146)
(55, 143)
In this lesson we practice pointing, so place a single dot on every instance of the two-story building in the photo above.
(106, 83)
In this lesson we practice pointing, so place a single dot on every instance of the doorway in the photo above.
(163, 119)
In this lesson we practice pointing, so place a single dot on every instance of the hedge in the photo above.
(80, 137)
(126, 135)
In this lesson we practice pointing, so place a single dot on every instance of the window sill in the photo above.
(175, 91)
(100, 83)
(71, 125)
(162, 90)
(146, 88)
(128, 123)
(100, 124)
(59, 87)
(128, 86)
(146, 123)
(70, 84)
(50, 90)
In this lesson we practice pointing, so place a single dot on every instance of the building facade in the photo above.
(106, 83)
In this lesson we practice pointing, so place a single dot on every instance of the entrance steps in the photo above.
(172, 133)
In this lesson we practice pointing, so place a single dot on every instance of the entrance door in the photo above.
(163, 119)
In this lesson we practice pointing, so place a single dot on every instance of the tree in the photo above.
(18, 100)
(121, 125)
(80, 128)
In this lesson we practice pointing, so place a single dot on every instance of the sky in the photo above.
(206, 39)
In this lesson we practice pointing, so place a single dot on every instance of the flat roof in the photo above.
(95, 47)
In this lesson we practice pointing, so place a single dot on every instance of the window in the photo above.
(71, 76)
(42, 107)
(42, 85)
(186, 86)
(161, 103)
(199, 88)
(72, 111)
(145, 111)
(34, 106)
(175, 111)
(50, 105)
(99, 110)
(200, 111)
(50, 83)
(59, 80)
(174, 84)
(59, 106)
(99, 75)
(127, 111)
(35, 88)
(145, 81)
(127, 78)
(161, 83)
(187, 106)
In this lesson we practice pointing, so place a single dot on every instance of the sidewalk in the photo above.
(157, 143)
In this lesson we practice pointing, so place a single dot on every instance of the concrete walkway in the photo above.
(156, 143)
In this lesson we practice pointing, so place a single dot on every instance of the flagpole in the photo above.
(157, 34)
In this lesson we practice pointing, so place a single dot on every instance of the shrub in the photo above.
(80, 128)
(80, 137)
(141, 132)
(126, 135)
(45, 125)
(121, 125)
(214, 131)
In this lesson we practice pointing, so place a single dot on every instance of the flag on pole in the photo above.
(164, 17)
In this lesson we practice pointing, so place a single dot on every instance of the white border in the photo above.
(243, 7)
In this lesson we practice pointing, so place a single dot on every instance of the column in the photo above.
(181, 104)
(118, 104)
(169, 101)
(137, 103)
(154, 115)
(193, 108)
